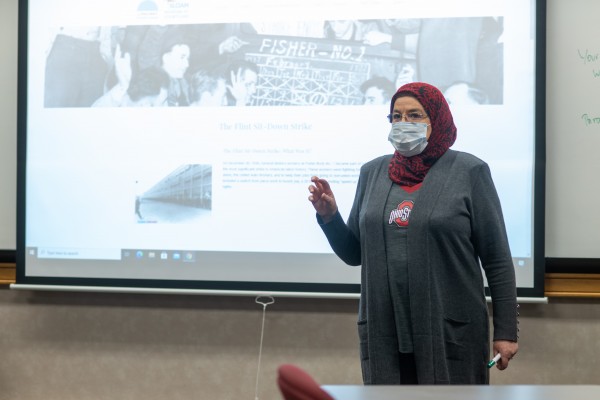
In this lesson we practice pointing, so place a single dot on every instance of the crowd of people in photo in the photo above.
(146, 66)
(206, 64)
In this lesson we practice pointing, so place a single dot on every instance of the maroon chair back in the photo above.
(296, 384)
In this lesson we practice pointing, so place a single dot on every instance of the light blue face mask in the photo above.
(408, 138)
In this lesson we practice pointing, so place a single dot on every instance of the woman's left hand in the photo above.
(507, 350)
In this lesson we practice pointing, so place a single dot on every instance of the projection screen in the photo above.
(170, 144)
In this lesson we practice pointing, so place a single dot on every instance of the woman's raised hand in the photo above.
(322, 198)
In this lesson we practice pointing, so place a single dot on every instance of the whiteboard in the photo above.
(8, 123)
(573, 129)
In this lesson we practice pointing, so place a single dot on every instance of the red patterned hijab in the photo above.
(409, 171)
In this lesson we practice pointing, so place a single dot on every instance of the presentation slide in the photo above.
(175, 140)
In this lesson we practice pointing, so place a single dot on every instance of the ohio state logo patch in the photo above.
(401, 214)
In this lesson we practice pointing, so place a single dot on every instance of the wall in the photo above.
(106, 346)
(97, 346)
(58, 345)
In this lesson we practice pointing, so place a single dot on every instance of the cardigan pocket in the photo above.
(363, 338)
(456, 336)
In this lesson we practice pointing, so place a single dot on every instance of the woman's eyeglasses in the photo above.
(410, 117)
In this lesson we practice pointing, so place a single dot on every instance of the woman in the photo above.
(422, 220)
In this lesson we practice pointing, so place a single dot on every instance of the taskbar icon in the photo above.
(186, 256)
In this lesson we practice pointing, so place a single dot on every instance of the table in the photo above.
(466, 392)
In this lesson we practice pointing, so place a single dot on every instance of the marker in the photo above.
(494, 360)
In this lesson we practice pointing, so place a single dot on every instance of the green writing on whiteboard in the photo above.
(588, 57)
(590, 120)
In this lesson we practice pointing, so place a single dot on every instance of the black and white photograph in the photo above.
(182, 196)
(324, 63)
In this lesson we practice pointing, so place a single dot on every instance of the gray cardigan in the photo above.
(455, 223)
